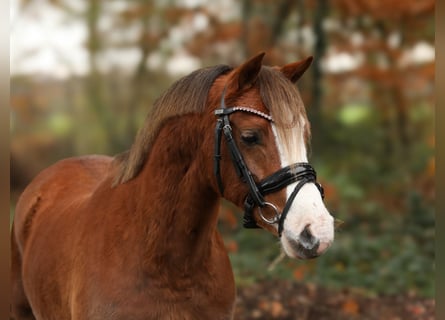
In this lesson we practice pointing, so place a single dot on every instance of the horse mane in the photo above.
(187, 95)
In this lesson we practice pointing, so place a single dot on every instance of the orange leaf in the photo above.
(351, 307)
(416, 309)
(431, 167)
(276, 309)
(299, 272)
(330, 191)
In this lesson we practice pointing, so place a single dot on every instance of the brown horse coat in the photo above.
(144, 245)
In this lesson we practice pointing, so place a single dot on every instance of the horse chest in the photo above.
(204, 298)
(206, 291)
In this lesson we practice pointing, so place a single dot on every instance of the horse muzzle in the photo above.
(305, 245)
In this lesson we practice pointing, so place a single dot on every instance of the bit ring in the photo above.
(275, 219)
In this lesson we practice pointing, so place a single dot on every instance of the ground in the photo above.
(288, 300)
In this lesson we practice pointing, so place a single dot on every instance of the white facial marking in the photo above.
(307, 208)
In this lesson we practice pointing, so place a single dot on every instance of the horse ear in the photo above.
(294, 71)
(247, 73)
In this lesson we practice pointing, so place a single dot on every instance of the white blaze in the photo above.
(307, 208)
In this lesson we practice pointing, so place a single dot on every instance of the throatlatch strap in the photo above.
(217, 155)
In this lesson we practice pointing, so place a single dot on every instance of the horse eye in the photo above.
(250, 138)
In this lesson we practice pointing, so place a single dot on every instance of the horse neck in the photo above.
(175, 207)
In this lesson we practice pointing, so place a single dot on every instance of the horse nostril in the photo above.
(306, 245)
(308, 241)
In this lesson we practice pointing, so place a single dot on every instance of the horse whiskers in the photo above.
(338, 223)
(276, 261)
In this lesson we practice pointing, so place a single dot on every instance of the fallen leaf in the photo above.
(276, 309)
(351, 307)
(299, 272)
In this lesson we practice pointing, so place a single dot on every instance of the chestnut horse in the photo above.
(135, 236)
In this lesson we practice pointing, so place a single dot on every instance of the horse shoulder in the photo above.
(65, 181)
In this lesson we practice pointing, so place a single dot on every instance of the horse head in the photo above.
(260, 155)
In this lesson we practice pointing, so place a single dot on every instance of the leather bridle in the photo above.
(300, 172)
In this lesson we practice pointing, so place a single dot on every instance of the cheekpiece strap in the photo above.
(223, 127)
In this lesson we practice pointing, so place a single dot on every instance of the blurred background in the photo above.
(85, 73)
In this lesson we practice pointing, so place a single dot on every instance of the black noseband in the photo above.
(300, 173)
